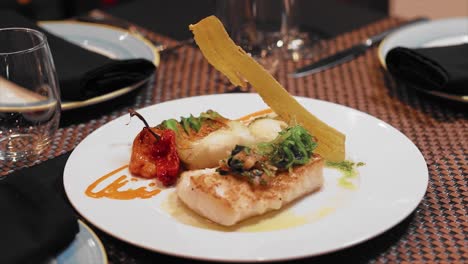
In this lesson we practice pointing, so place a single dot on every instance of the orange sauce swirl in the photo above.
(255, 115)
(113, 191)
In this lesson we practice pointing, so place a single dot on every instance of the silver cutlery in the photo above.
(348, 54)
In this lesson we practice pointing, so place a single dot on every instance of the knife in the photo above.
(347, 54)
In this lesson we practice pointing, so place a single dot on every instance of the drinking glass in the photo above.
(29, 94)
(250, 24)
(290, 40)
(268, 30)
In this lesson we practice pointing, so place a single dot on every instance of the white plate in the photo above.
(392, 183)
(86, 248)
(443, 32)
(109, 41)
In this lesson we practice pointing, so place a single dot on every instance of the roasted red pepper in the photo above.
(154, 157)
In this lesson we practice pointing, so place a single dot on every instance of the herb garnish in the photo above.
(190, 123)
(293, 146)
(170, 124)
(348, 169)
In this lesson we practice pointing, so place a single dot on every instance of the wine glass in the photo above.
(29, 94)
(290, 42)
(268, 30)
(250, 24)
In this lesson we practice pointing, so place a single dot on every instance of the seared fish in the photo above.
(205, 151)
(214, 142)
(226, 199)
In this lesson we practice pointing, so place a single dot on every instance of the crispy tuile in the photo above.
(230, 59)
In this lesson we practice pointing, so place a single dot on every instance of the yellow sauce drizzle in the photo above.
(349, 173)
(321, 213)
(113, 191)
(275, 220)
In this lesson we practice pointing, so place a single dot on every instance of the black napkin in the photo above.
(36, 222)
(444, 69)
(84, 74)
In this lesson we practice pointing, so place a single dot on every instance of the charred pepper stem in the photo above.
(135, 113)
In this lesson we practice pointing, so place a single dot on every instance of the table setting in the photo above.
(396, 88)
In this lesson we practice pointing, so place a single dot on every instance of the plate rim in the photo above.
(105, 259)
(95, 238)
(69, 105)
(380, 55)
(351, 242)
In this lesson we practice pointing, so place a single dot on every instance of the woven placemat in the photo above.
(434, 233)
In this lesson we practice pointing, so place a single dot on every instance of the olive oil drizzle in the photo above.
(348, 170)
(274, 220)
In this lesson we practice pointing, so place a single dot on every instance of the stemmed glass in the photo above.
(291, 42)
(29, 94)
(249, 23)
(268, 30)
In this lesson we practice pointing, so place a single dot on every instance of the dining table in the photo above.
(435, 232)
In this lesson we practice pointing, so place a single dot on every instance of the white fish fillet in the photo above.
(227, 200)
(209, 150)
(206, 152)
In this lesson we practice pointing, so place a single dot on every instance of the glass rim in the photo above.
(42, 40)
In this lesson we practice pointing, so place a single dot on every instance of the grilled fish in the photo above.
(227, 199)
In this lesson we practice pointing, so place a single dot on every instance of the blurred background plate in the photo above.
(86, 248)
(442, 32)
(109, 41)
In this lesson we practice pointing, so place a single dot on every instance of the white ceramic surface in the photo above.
(392, 183)
(86, 248)
(443, 32)
(109, 41)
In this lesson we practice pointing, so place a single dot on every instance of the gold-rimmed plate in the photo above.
(109, 41)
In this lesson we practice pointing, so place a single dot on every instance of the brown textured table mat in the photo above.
(434, 233)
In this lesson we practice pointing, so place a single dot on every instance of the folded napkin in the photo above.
(36, 222)
(444, 69)
(82, 73)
